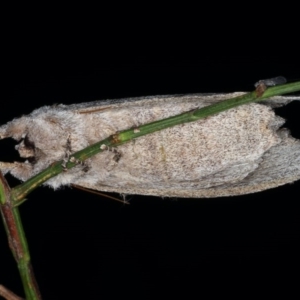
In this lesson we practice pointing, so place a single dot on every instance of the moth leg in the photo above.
(117, 154)
(67, 154)
(6, 166)
(17, 169)
(68, 157)
(79, 162)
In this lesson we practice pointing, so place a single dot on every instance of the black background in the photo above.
(84, 246)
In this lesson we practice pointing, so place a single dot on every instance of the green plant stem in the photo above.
(9, 199)
(17, 241)
(20, 192)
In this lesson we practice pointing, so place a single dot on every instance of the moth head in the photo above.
(41, 141)
(26, 148)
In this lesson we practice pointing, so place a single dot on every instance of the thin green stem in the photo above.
(10, 198)
(20, 192)
(17, 241)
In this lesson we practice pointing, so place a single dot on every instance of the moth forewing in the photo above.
(235, 152)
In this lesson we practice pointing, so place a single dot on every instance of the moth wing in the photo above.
(102, 105)
(202, 99)
(280, 165)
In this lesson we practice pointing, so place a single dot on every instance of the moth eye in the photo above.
(26, 148)
(32, 159)
(28, 143)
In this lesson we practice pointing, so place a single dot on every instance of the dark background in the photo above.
(85, 246)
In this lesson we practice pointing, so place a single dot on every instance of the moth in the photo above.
(239, 151)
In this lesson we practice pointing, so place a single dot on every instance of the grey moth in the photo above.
(239, 151)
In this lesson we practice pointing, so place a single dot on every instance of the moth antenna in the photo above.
(89, 111)
(99, 193)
